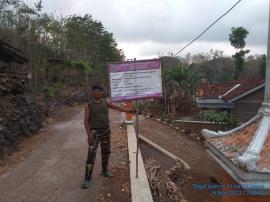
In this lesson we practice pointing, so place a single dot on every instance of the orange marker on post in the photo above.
(129, 119)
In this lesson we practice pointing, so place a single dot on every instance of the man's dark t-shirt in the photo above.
(99, 114)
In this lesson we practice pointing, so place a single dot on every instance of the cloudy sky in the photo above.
(149, 28)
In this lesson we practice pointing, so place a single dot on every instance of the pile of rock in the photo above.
(11, 84)
(54, 105)
(19, 114)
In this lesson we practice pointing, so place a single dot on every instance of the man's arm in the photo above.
(86, 123)
(119, 108)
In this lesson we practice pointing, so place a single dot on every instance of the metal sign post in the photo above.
(137, 123)
(137, 136)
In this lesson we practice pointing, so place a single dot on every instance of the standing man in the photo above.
(96, 121)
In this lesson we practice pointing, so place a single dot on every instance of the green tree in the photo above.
(51, 43)
(180, 83)
(237, 39)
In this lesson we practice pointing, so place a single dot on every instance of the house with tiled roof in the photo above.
(244, 152)
(242, 98)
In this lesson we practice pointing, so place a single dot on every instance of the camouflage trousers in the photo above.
(102, 136)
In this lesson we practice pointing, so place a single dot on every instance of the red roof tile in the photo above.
(233, 146)
(245, 86)
(213, 89)
(227, 91)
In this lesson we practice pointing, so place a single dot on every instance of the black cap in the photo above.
(97, 87)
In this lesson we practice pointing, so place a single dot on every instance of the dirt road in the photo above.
(54, 171)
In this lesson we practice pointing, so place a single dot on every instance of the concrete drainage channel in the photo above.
(140, 190)
(163, 151)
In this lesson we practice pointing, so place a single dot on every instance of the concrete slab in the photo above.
(140, 190)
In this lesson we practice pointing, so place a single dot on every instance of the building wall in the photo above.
(246, 107)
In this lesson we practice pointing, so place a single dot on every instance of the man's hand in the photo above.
(90, 139)
(133, 110)
(121, 109)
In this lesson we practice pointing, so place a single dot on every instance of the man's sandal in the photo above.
(85, 184)
(107, 174)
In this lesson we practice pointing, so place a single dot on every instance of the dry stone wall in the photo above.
(20, 115)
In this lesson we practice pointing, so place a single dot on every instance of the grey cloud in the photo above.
(171, 22)
(186, 28)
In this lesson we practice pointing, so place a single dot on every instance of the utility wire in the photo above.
(207, 28)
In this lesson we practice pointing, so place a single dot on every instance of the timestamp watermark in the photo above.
(231, 189)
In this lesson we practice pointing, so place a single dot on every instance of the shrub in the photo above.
(219, 118)
(52, 91)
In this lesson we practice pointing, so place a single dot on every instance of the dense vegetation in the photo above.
(182, 75)
(72, 51)
(223, 117)
(62, 51)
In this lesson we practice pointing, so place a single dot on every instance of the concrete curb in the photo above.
(162, 150)
(140, 190)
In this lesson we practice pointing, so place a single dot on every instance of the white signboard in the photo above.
(135, 80)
